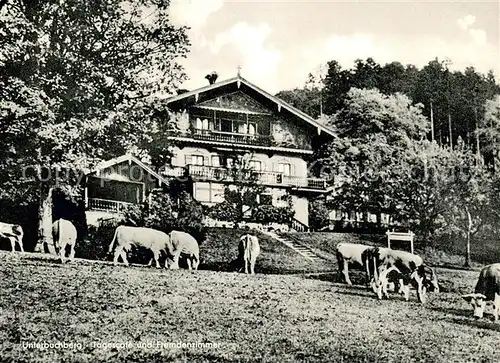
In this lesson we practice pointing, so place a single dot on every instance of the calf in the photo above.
(64, 234)
(354, 255)
(14, 233)
(487, 289)
(248, 250)
(406, 268)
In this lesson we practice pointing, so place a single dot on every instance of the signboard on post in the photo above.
(400, 236)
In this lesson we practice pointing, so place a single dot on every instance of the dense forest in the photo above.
(455, 101)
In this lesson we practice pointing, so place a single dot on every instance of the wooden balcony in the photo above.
(106, 205)
(232, 138)
(208, 173)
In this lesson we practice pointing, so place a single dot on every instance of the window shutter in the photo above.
(292, 169)
(206, 161)
(189, 159)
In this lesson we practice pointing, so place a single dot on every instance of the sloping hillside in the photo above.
(220, 249)
(120, 314)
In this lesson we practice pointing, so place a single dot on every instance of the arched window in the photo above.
(199, 124)
(251, 129)
(205, 124)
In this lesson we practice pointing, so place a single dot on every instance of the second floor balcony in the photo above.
(207, 173)
(232, 137)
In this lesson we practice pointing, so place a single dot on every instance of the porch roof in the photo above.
(130, 158)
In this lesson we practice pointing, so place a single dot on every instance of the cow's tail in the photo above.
(340, 261)
(113, 241)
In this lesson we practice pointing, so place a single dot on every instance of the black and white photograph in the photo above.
(249, 181)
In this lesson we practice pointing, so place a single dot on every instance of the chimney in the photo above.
(212, 77)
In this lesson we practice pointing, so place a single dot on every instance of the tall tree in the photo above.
(76, 78)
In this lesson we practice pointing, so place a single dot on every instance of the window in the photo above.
(285, 168)
(255, 165)
(201, 124)
(216, 161)
(229, 162)
(209, 192)
(197, 160)
(252, 128)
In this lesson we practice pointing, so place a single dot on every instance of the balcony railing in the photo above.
(106, 205)
(232, 138)
(209, 173)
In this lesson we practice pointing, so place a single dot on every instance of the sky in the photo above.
(278, 43)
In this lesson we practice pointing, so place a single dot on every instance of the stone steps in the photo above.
(297, 247)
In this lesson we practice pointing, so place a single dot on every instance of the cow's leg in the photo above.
(20, 241)
(345, 271)
(72, 252)
(246, 265)
(12, 243)
(118, 253)
(123, 254)
(175, 264)
(406, 292)
(420, 288)
(188, 261)
(496, 307)
(385, 284)
(156, 256)
(252, 266)
(62, 253)
(381, 284)
(367, 266)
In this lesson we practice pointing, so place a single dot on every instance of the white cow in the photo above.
(64, 234)
(352, 254)
(14, 233)
(185, 244)
(248, 250)
(126, 237)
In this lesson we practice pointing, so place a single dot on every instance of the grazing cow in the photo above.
(14, 233)
(126, 237)
(404, 267)
(185, 244)
(64, 234)
(352, 254)
(487, 289)
(248, 250)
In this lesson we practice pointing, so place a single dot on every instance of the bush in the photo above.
(319, 215)
(270, 214)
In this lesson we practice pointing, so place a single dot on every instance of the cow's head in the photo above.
(478, 302)
(430, 282)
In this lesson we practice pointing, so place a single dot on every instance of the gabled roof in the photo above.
(127, 157)
(238, 80)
